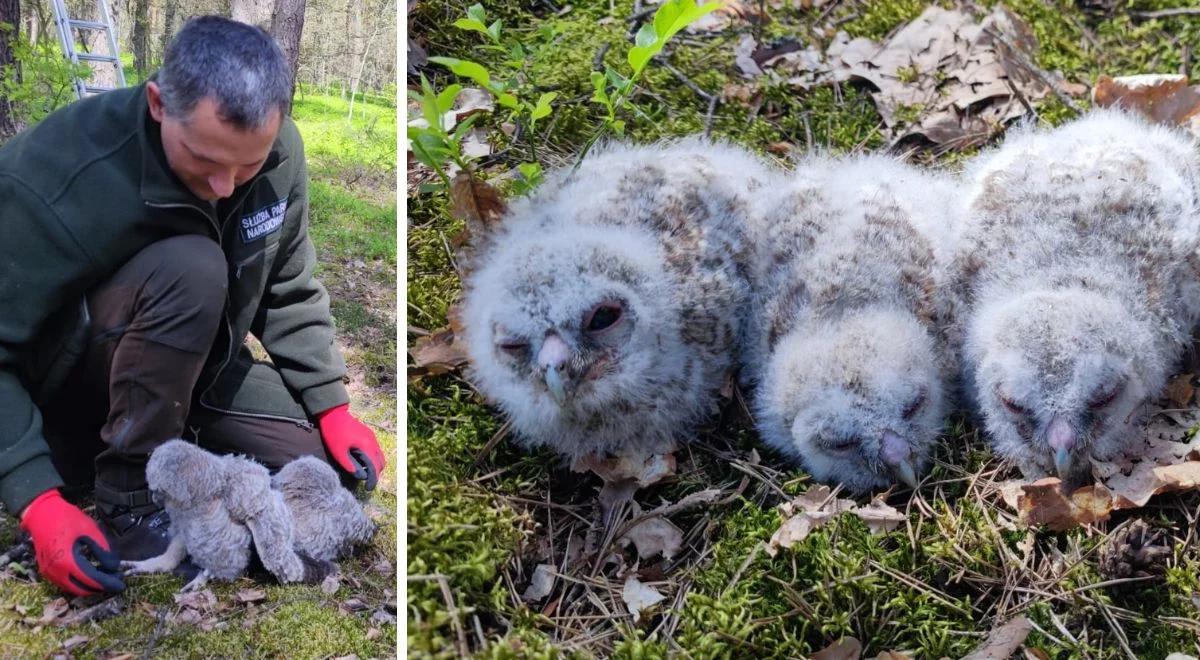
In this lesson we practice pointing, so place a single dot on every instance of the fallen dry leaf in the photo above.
(476, 202)
(1002, 642)
(1034, 653)
(1042, 503)
(374, 633)
(639, 597)
(197, 600)
(655, 536)
(1166, 99)
(75, 641)
(475, 144)
(726, 16)
(894, 655)
(1180, 391)
(944, 78)
(540, 585)
(644, 470)
(880, 517)
(251, 595)
(846, 648)
(440, 353)
(52, 611)
(808, 511)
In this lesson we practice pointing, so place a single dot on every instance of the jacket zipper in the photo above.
(304, 424)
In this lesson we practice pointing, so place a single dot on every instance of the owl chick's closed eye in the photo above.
(1071, 288)
(606, 311)
(845, 362)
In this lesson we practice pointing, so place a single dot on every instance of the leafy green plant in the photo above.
(46, 82)
(433, 143)
(612, 89)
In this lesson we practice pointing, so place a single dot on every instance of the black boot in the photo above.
(136, 527)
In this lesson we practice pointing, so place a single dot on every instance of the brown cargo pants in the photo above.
(153, 324)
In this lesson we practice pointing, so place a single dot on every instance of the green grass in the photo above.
(354, 232)
(471, 522)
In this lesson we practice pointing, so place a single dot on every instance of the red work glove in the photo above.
(60, 532)
(351, 444)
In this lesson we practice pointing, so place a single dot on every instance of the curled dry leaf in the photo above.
(808, 511)
(894, 655)
(1180, 390)
(476, 202)
(655, 536)
(816, 506)
(1002, 642)
(1166, 99)
(644, 470)
(1043, 503)
(440, 353)
(727, 15)
(197, 600)
(541, 584)
(331, 584)
(639, 597)
(846, 648)
(880, 517)
(251, 595)
(944, 78)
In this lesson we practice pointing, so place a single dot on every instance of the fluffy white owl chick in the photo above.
(327, 521)
(604, 313)
(848, 373)
(1075, 286)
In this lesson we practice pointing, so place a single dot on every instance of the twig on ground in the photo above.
(160, 619)
(491, 444)
(1166, 13)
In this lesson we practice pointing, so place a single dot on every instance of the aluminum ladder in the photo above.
(66, 38)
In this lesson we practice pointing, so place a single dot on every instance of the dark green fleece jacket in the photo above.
(88, 188)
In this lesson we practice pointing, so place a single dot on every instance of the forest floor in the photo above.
(482, 514)
(352, 216)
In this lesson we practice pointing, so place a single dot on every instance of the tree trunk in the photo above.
(10, 14)
(140, 37)
(286, 28)
(254, 12)
(168, 27)
(355, 51)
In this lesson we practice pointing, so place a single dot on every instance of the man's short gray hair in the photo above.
(237, 65)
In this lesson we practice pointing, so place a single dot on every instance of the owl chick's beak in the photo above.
(1061, 438)
(553, 357)
(897, 455)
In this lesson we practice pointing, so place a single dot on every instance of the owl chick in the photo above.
(218, 506)
(844, 361)
(604, 313)
(327, 520)
(1075, 286)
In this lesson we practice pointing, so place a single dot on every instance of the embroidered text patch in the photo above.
(263, 221)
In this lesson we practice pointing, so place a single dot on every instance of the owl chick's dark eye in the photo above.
(603, 317)
(841, 445)
(914, 406)
(1013, 407)
(1104, 397)
(514, 346)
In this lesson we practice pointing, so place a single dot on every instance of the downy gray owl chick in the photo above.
(218, 506)
(845, 363)
(604, 313)
(1075, 286)
(327, 521)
